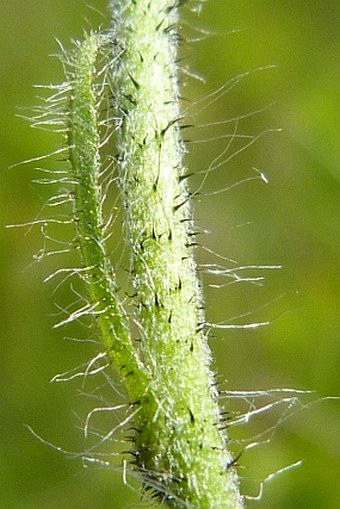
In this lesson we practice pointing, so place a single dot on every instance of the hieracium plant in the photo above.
(119, 110)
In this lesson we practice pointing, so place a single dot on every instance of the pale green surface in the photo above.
(178, 441)
(294, 222)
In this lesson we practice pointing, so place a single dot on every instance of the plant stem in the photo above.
(84, 142)
(180, 447)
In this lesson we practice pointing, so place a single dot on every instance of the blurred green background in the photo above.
(293, 221)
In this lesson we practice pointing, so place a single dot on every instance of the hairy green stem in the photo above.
(84, 143)
(180, 445)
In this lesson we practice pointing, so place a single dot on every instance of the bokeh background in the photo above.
(294, 221)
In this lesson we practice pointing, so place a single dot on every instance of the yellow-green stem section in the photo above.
(84, 142)
(180, 446)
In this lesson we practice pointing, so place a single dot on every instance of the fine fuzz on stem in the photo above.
(84, 142)
(180, 448)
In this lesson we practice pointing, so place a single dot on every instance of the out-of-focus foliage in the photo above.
(293, 221)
